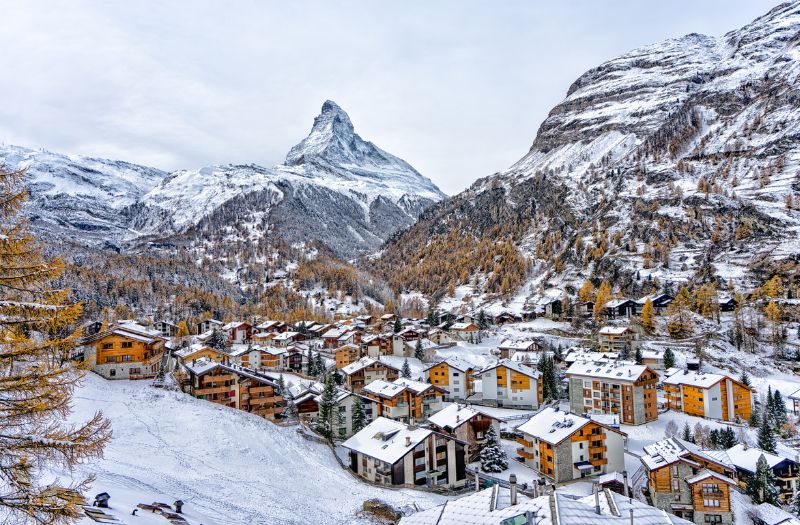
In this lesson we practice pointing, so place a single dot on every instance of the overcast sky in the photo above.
(456, 88)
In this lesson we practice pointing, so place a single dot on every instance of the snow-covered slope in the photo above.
(675, 161)
(229, 467)
(74, 195)
(334, 187)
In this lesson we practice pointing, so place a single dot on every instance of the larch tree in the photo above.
(37, 379)
(183, 329)
(680, 322)
(586, 293)
(603, 296)
(648, 316)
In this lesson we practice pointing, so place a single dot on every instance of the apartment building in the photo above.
(454, 375)
(511, 384)
(614, 387)
(126, 350)
(714, 396)
(404, 399)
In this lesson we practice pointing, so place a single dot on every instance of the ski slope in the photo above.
(229, 467)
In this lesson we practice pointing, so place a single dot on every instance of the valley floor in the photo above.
(229, 467)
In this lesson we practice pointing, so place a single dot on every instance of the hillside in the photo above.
(675, 162)
(229, 467)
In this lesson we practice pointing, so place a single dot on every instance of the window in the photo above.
(113, 372)
(712, 518)
(127, 358)
(127, 344)
(709, 488)
(135, 371)
(710, 502)
(112, 359)
(108, 346)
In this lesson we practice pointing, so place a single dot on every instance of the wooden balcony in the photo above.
(265, 400)
(522, 452)
(211, 390)
(217, 379)
(524, 442)
(597, 450)
(260, 389)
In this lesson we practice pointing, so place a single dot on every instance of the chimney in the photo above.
(477, 482)
(631, 511)
(596, 493)
(408, 441)
(512, 480)
(628, 491)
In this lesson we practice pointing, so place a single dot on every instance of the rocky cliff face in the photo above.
(335, 188)
(673, 162)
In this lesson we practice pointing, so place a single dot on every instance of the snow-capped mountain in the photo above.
(76, 196)
(675, 161)
(334, 187)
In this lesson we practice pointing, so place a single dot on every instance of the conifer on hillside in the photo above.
(37, 379)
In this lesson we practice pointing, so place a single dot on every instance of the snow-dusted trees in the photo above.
(359, 417)
(36, 381)
(548, 377)
(218, 340)
(493, 457)
(679, 313)
(329, 417)
(405, 372)
(766, 435)
(761, 486)
(418, 352)
(669, 358)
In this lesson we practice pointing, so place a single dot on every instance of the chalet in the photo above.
(454, 375)
(304, 400)
(404, 399)
(503, 318)
(713, 396)
(126, 350)
(263, 337)
(621, 387)
(388, 318)
(428, 349)
(272, 327)
(166, 329)
(330, 339)
(465, 424)
(287, 338)
(549, 307)
(366, 370)
(378, 345)
(584, 309)
(464, 331)
(578, 354)
(365, 319)
(197, 351)
(510, 384)
(295, 356)
(388, 452)
(688, 482)
(351, 337)
(509, 347)
(785, 469)
(233, 387)
(499, 506)
(344, 405)
(621, 339)
(653, 358)
(208, 325)
(91, 328)
(439, 336)
(346, 354)
(238, 332)
(728, 304)
(619, 308)
(564, 446)
(660, 303)
(409, 334)
(259, 357)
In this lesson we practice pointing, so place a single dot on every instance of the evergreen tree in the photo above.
(686, 434)
(302, 328)
(319, 365)
(281, 385)
(359, 417)
(433, 317)
(727, 438)
(669, 358)
(338, 377)
(638, 356)
(745, 379)
(713, 439)
(398, 324)
(761, 486)
(794, 506)
(493, 457)
(405, 372)
(755, 418)
(218, 340)
(328, 416)
(778, 410)
(483, 323)
(766, 436)
(37, 379)
(418, 352)
(310, 368)
(548, 377)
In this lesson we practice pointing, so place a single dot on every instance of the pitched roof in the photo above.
(517, 345)
(385, 439)
(513, 365)
(613, 330)
(746, 458)
(364, 362)
(554, 426)
(615, 370)
(670, 450)
(454, 362)
(705, 474)
(454, 415)
(698, 379)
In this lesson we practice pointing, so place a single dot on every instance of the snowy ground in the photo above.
(229, 467)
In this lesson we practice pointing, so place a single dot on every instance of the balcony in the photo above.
(212, 390)
(524, 442)
(523, 453)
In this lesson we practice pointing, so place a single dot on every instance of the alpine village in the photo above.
(607, 332)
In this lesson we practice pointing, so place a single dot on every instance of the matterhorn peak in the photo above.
(332, 133)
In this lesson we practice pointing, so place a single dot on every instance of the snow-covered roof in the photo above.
(589, 355)
(613, 330)
(705, 474)
(334, 333)
(454, 362)
(614, 370)
(417, 387)
(461, 326)
(512, 365)
(795, 395)
(384, 389)
(692, 378)
(192, 348)
(454, 415)
(362, 363)
(772, 515)
(617, 302)
(286, 336)
(668, 451)
(746, 457)
(201, 366)
(517, 345)
(385, 439)
(233, 324)
(553, 426)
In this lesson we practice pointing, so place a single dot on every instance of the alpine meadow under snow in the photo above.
(605, 332)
